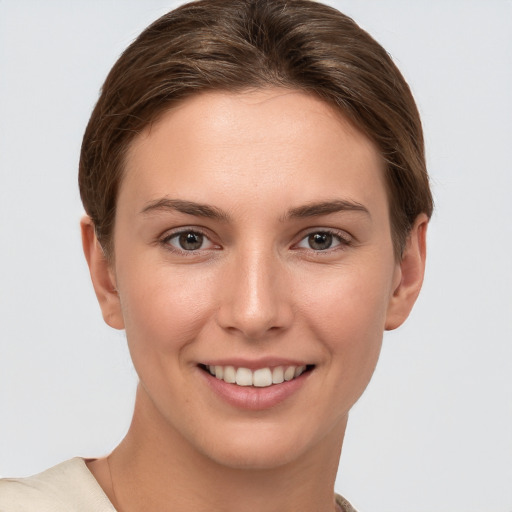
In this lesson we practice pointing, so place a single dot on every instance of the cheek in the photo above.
(347, 312)
(348, 297)
(163, 310)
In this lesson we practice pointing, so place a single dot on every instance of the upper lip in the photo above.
(255, 364)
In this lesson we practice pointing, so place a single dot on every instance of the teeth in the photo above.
(299, 371)
(261, 378)
(277, 375)
(244, 377)
(289, 373)
(229, 375)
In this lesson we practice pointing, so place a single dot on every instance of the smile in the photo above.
(260, 378)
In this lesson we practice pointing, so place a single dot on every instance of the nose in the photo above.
(255, 295)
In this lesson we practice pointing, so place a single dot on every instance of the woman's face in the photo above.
(252, 236)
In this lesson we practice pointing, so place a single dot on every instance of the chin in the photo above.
(266, 447)
(255, 457)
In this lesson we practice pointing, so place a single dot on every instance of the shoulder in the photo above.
(343, 504)
(67, 487)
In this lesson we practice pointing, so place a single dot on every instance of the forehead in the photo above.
(220, 142)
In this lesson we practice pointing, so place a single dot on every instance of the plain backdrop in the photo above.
(433, 432)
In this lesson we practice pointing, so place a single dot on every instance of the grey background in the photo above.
(434, 430)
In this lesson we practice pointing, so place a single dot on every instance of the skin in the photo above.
(255, 289)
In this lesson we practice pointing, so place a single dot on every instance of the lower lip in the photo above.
(254, 398)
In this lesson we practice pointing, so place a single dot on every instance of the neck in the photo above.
(157, 469)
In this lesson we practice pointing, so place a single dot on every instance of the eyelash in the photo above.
(343, 239)
(165, 241)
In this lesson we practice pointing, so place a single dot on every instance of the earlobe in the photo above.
(410, 275)
(102, 275)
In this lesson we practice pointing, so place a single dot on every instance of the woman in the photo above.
(257, 203)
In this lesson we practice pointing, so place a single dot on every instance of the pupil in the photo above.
(191, 241)
(320, 241)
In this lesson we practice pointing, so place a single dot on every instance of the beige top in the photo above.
(67, 487)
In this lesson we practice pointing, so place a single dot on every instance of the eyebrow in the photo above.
(212, 212)
(326, 208)
(187, 207)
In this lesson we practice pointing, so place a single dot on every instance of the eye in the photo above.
(322, 241)
(188, 241)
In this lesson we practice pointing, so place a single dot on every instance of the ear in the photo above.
(409, 277)
(102, 275)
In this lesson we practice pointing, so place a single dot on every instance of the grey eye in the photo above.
(187, 241)
(190, 241)
(320, 241)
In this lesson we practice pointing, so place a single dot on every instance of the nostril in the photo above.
(255, 303)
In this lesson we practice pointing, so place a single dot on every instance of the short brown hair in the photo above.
(234, 45)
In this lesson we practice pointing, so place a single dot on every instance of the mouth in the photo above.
(258, 378)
